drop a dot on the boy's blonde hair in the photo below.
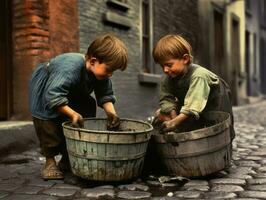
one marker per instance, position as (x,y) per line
(171,47)
(110,50)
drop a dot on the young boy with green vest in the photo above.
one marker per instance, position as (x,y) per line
(189,89)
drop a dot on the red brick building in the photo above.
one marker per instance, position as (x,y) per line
(32,31)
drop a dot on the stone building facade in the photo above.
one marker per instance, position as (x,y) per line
(42,29)
(135,89)
(262,47)
(223,23)
(233,44)
(36,30)
(255,13)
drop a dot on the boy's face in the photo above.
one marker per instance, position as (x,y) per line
(100,70)
(175,67)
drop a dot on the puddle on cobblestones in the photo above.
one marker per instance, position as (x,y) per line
(162,191)
(155,190)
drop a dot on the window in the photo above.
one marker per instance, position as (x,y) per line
(146,36)
(248,4)
(248,7)
(147,74)
(263,13)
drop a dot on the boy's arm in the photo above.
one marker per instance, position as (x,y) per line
(104,92)
(196,97)
(59,84)
(113,119)
(173,123)
(167,99)
(75,117)
(105,99)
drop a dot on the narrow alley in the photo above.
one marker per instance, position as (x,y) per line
(246,179)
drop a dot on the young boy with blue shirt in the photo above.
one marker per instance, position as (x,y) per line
(60,89)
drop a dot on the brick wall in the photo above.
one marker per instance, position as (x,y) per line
(30,46)
(41,29)
(63,26)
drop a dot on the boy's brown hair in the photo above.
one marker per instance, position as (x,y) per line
(110,50)
(171,47)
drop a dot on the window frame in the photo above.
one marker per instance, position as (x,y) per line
(147,72)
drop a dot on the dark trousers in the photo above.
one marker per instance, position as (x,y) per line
(50,132)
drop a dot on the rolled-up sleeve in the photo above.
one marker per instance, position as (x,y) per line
(58,87)
(104,92)
(167,98)
(196,97)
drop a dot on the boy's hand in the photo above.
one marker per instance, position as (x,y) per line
(168,126)
(77,120)
(173,114)
(172,124)
(165,117)
(161,117)
(113,122)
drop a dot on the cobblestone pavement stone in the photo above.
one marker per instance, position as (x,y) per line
(244,180)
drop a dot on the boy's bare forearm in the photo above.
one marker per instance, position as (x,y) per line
(66,110)
(76,118)
(180,118)
(109,108)
(172,124)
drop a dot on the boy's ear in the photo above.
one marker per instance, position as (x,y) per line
(186,58)
(92,61)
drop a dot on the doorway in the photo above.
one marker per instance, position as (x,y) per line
(5,59)
(219,57)
(263,65)
(235,61)
(247,56)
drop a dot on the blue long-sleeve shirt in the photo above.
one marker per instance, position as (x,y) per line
(62,80)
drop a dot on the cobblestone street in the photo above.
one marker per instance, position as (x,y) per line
(246,179)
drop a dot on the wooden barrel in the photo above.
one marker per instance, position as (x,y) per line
(197,152)
(101,155)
